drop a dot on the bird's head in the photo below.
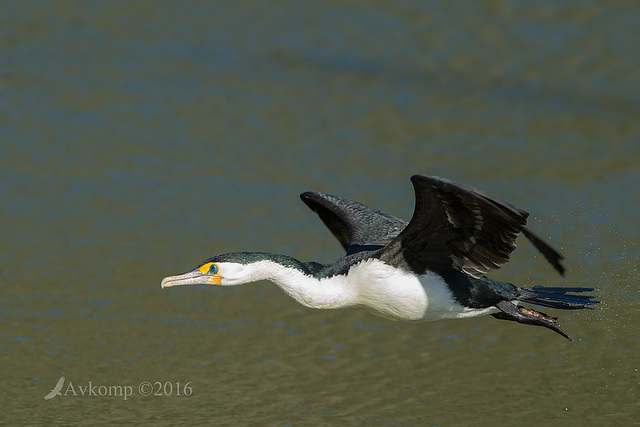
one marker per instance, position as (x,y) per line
(225,270)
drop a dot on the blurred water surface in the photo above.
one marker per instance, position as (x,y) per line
(139,138)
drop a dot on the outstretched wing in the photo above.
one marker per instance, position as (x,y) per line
(455,226)
(356,226)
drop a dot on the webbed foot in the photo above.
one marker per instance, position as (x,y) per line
(527,316)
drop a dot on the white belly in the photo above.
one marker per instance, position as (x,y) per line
(394,294)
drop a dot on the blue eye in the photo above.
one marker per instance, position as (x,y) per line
(208,268)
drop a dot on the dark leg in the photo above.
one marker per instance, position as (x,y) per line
(520,314)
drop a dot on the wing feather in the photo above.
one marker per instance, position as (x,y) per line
(455,226)
(356,226)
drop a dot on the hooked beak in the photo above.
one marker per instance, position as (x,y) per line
(194,277)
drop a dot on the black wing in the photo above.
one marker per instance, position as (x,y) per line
(454,226)
(356,226)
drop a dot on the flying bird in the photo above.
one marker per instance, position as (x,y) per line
(56,390)
(428,269)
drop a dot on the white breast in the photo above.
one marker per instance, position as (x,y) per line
(395,294)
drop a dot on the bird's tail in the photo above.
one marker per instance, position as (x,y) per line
(558,297)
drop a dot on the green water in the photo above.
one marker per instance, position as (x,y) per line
(139,138)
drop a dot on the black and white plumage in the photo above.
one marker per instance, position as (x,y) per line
(431,268)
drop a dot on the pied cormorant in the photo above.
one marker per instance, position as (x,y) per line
(431,268)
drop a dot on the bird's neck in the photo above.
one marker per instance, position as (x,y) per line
(298,281)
